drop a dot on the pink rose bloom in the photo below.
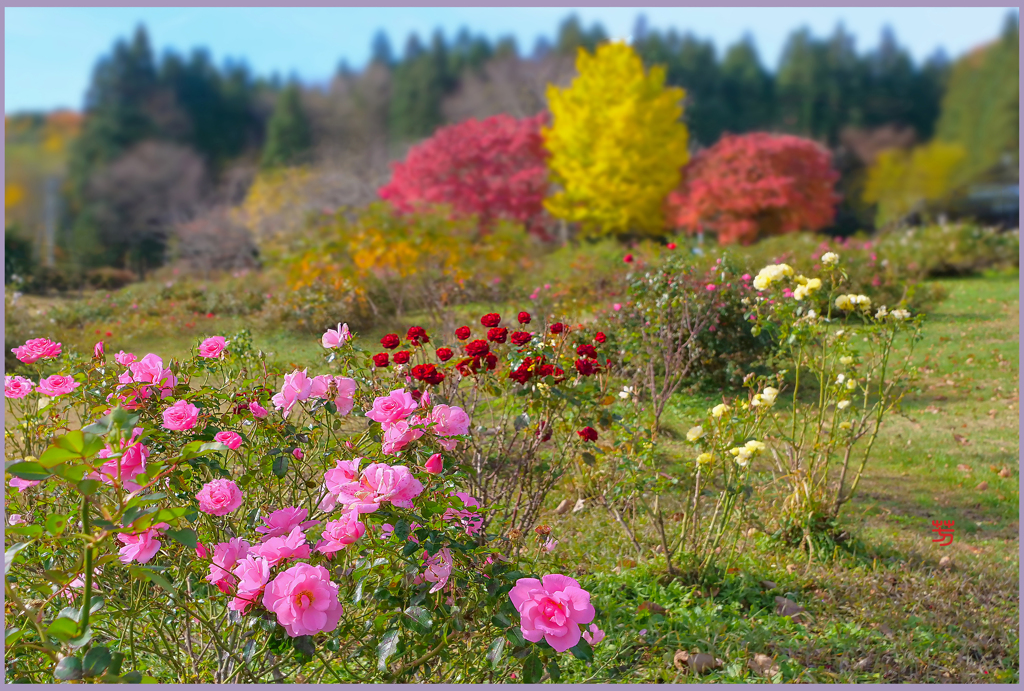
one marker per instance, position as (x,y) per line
(398,434)
(201,551)
(253,573)
(344,473)
(22,485)
(213,347)
(549,546)
(225,556)
(389,409)
(340,534)
(616,306)
(710,287)
(230,439)
(283,521)
(438,569)
(219,497)
(434,465)
(57,385)
(304,600)
(344,399)
(552,608)
(471,520)
(257,410)
(449,421)
(298,453)
(296,388)
(16,518)
(132,462)
(333,338)
(17,387)
(746,277)
(123,358)
(379,483)
(181,416)
(594,636)
(140,547)
(36,349)
(97,350)
(278,549)
(151,370)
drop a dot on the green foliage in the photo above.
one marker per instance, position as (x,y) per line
(288,135)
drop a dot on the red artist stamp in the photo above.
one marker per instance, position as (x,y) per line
(945,532)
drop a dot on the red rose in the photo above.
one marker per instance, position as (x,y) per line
(671,245)
(462,333)
(600,337)
(587,367)
(477,348)
(417,335)
(492,361)
(427,373)
(522,373)
(467,366)
(521,338)
(588,434)
(416,394)
(557,328)
(497,334)
(629,260)
(402,357)
(390,341)
(490,320)
(444,354)
(545,370)
(586,350)
(380,359)
(543,431)
(524,317)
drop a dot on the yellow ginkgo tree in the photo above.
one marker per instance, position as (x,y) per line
(617,144)
(901,182)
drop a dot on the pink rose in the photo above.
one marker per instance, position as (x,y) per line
(283,521)
(213,347)
(389,409)
(201,550)
(594,636)
(22,485)
(340,534)
(344,399)
(219,497)
(16,518)
(278,549)
(36,349)
(17,387)
(304,600)
(130,464)
(337,479)
(252,572)
(230,439)
(57,385)
(438,569)
(435,464)
(225,556)
(471,520)
(97,350)
(257,410)
(398,434)
(379,483)
(151,370)
(298,453)
(552,608)
(181,415)
(140,547)
(333,338)
(123,358)
(449,421)
(616,306)
(296,388)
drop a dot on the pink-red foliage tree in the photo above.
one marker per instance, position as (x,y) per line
(493,169)
(751,186)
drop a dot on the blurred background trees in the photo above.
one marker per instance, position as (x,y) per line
(177,142)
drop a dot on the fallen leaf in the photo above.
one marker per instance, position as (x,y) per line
(963,441)
(1005,472)
(627,563)
(702,662)
(579,506)
(785,607)
(764,665)
(790,568)
(769,585)
(681,659)
(862,665)
(964,467)
(752,532)
(973,550)
(652,607)
(563,506)
(886,631)
(946,562)
(932,409)
(982,486)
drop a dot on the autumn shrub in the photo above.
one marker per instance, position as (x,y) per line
(109,278)
(956,249)
(215,521)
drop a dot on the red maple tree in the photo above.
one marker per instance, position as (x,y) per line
(493,168)
(754,185)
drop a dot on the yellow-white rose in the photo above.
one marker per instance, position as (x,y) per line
(695,433)
(830,259)
(843,405)
(720,410)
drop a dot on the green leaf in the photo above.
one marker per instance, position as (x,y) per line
(132,677)
(31,531)
(402,530)
(533,669)
(515,637)
(13,552)
(73,441)
(68,669)
(185,536)
(214,446)
(55,523)
(420,616)
(358,594)
(387,647)
(95,661)
(93,445)
(27,470)
(55,455)
(501,621)
(582,651)
(63,629)
(100,427)
(521,422)
(409,548)
(280,466)
(151,575)
(82,640)
(496,651)
(304,644)
(88,487)
(588,458)
(116,658)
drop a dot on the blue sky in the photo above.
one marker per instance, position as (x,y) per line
(49,53)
